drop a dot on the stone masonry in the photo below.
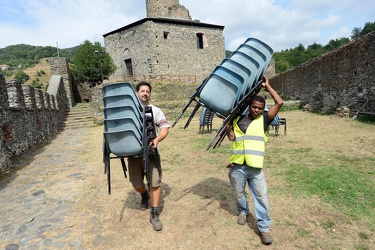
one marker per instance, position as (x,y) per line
(335,82)
(167,8)
(167,47)
(59,66)
(29,116)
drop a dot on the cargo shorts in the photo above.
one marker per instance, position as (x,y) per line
(137,175)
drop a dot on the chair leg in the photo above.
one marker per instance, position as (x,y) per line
(285,129)
(277,130)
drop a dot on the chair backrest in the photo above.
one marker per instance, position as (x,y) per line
(282,121)
(276,121)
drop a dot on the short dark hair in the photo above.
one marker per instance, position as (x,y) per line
(258,98)
(143,83)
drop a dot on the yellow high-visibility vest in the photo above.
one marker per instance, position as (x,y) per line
(249,148)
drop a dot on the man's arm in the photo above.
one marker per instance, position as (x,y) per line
(230,132)
(161,135)
(272,112)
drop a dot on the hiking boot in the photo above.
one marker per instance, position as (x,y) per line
(144,201)
(242,219)
(155,221)
(266,238)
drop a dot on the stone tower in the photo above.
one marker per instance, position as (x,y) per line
(167,45)
(166,8)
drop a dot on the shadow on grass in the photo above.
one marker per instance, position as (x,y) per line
(215,189)
(133,199)
(211,189)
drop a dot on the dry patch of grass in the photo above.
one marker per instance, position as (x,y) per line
(43,65)
(198,206)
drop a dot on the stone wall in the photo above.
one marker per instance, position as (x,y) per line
(157,48)
(29,116)
(271,70)
(334,82)
(59,66)
(167,8)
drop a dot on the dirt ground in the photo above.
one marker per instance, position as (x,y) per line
(198,206)
(198,209)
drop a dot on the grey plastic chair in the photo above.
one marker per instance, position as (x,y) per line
(249,73)
(122,119)
(122,100)
(261,46)
(122,112)
(256,55)
(219,94)
(127,123)
(120,94)
(118,89)
(205,120)
(243,71)
(233,77)
(124,143)
(254,64)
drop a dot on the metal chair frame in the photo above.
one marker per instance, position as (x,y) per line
(282,122)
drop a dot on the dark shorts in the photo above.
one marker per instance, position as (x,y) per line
(137,175)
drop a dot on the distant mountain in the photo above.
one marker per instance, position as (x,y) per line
(24,56)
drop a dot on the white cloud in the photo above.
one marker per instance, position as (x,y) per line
(280,23)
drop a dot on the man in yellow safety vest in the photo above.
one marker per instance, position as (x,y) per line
(249,134)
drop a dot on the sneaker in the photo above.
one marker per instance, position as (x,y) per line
(242,219)
(144,201)
(266,238)
(156,222)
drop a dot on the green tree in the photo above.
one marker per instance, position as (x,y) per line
(91,62)
(333,44)
(369,26)
(21,76)
(357,32)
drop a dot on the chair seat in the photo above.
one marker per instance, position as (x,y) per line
(276,126)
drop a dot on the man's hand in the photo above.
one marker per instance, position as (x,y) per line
(230,132)
(265,82)
(154,143)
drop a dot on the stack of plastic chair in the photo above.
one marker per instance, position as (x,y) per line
(128,129)
(228,90)
(205,120)
(123,125)
(235,76)
(122,120)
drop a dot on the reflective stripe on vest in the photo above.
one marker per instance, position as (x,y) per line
(249,148)
(249,137)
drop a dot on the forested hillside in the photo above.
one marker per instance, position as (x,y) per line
(22,56)
(291,58)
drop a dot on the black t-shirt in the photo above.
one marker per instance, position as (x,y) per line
(244,122)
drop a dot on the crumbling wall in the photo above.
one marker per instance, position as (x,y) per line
(28,116)
(334,82)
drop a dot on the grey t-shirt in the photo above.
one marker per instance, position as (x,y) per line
(244,122)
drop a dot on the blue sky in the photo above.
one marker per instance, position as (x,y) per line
(281,24)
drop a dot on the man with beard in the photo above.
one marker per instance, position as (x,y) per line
(136,164)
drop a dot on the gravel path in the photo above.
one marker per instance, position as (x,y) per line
(40,194)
